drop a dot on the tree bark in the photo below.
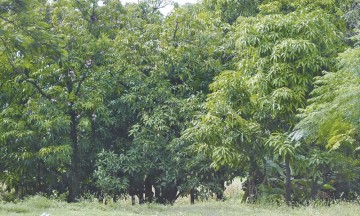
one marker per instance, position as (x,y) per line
(252,191)
(157,193)
(74,187)
(192,196)
(287,181)
(149,195)
(39,177)
(140,195)
(245,196)
(169,193)
(132,199)
(220,194)
(314,188)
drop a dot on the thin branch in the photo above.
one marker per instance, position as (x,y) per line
(79,84)
(124,85)
(39,89)
(175,43)
(84,13)
(8,54)
(92,17)
(120,82)
(26,72)
(29,33)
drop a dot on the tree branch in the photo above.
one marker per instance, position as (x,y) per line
(79,84)
(38,88)
(26,72)
(175,43)
(123,84)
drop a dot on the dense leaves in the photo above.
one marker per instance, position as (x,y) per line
(118,100)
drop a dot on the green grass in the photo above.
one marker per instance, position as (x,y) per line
(38,205)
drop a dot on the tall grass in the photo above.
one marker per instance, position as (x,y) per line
(39,205)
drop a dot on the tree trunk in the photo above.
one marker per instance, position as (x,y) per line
(169,194)
(157,193)
(166,194)
(39,178)
(132,199)
(314,188)
(74,187)
(149,195)
(220,177)
(140,195)
(252,188)
(252,191)
(287,181)
(245,196)
(220,194)
(192,196)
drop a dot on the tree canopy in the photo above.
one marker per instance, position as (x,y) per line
(118,100)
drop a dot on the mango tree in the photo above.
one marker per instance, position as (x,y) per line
(280,51)
(62,87)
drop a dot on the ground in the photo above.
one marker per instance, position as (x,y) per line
(40,206)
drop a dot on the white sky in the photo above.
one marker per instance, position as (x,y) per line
(166,9)
(178,1)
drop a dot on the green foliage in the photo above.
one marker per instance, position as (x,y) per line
(280,51)
(99,97)
(283,54)
(108,175)
(230,10)
(224,129)
(331,117)
(281,146)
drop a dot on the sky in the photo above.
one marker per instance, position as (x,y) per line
(178,1)
(165,10)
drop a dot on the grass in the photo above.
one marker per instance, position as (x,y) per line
(38,205)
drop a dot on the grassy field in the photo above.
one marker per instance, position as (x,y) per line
(37,206)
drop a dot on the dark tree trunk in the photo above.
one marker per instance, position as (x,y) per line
(157,193)
(20,191)
(192,196)
(167,194)
(251,191)
(314,188)
(133,200)
(249,187)
(245,196)
(287,181)
(220,194)
(140,195)
(149,195)
(74,187)
(221,182)
(39,178)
